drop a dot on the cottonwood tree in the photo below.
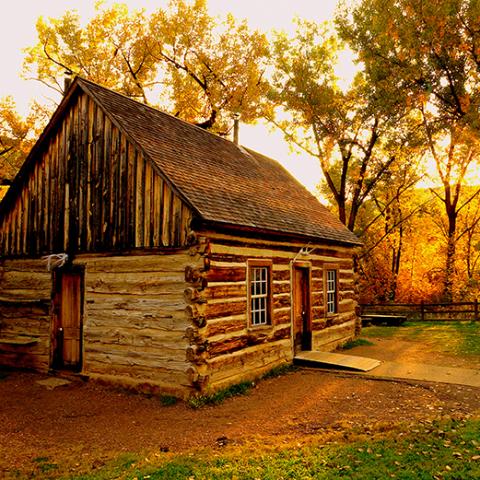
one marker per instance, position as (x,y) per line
(426,56)
(356,143)
(110,49)
(386,225)
(180,58)
(213,68)
(17,135)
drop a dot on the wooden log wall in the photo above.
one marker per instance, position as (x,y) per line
(88,190)
(224,349)
(25,301)
(135,323)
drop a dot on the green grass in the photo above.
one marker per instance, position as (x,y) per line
(280,370)
(242,388)
(457,338)
(44,465)
(358,342)
(168,400)
(445,450)
(218,397)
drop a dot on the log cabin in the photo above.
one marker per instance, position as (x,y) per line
(141,250)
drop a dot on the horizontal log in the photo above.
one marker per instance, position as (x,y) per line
(145,303)
(25,280)
(16,359)
(225,309)
(193,274)
(23,326)
(318,299)
(333,334)
(138,320)
(193,295)
(282,286)
(346,305)
(158,382)
(32,310)
(192,334)
(226,290)
(232,343)
(228,345)
(279,275)
(319,324)
(24,265)
(248,359)
(137,337)
(158,262)
(282,300)
(135,284)
(281,315)
(198,376)
(195,315)
(234,376)
(248,247)
(235,258)
(224,274)
(197,354)
(128,356)
(221,327)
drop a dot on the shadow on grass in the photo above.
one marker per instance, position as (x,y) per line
(457,338)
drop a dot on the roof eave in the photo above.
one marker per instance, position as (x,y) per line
(25,168)
(236,228)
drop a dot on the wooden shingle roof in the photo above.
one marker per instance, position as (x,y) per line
(225,183)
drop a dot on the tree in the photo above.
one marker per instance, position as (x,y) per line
(180,58)
(425,56)
(214,69)
(17,136)
(387,229)
(356,143)
(111,49)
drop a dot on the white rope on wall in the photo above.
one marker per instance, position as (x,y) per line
(55,260)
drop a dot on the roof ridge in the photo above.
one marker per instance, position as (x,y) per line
(138,144)
(154,109)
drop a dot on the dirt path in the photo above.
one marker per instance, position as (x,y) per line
(83,425)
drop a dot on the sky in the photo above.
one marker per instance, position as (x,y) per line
(18,32)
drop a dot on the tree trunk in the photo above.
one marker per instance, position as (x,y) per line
(447,295)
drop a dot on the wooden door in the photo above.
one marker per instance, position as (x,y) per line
(67,332)
(302,328)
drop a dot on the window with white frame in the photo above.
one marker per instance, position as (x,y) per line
(331,291)
(259,289)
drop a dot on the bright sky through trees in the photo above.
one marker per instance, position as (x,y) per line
(18,32)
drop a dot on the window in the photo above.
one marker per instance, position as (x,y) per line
(331,291)
(259,293)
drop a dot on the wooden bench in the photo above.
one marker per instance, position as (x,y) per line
(379,319)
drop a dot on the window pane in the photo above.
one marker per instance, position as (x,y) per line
(259,295)
(331,291)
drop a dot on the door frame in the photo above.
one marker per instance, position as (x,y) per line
(57,274)
(306,267)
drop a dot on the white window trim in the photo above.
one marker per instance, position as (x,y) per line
(261,316)
(331,291)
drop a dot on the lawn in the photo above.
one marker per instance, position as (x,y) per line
(456,338)
(428,450)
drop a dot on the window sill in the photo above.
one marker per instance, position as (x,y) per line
(259,328)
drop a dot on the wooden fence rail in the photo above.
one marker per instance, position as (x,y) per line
(458,311)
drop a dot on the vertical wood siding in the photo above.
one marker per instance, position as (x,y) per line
(89,190)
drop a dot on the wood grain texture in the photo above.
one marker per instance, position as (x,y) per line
(90,189)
